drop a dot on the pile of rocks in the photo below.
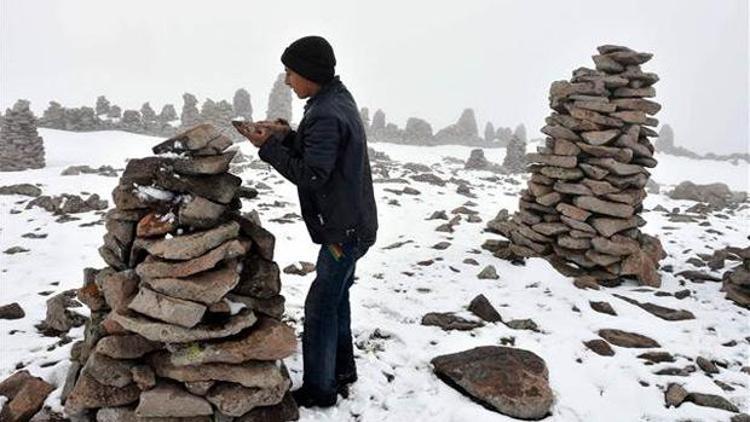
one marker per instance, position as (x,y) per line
(515,155)
(185,320)
(737,280)
(21,147)
(280,101)
(587,182)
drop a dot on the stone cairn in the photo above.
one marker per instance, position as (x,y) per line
(21,147)
(185,320)
(587,182)
(736,281)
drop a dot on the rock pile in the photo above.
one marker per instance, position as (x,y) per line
(515,155)
(737,280)
(21,147)
(185,320)
(587,182)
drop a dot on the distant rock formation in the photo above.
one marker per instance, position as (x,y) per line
(21,147)
(665,144)
(515,156)
(242,105)
(280,101)
(418,131)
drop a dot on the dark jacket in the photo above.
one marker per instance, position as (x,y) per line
(326,157)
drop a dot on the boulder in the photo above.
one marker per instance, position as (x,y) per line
(511,381)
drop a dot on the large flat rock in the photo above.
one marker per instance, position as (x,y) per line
(511,381)
(169,333)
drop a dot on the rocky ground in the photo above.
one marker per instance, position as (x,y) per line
(416,297)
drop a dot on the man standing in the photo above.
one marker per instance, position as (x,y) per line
(326,157)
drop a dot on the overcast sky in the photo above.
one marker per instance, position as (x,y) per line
(429,59)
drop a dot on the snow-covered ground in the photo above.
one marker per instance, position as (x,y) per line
(393,292)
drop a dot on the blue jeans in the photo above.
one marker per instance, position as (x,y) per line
(327,338)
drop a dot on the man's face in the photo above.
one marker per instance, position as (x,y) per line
(304,88)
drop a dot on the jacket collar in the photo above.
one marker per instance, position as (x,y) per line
(324,91)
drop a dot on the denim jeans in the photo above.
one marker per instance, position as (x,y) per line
(327,338)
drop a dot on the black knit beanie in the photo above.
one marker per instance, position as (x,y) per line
(312,57)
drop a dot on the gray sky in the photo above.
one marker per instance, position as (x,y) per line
(428,59)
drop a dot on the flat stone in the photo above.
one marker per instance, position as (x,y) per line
(565,147)
(108,371)
(623,155)
(200,213)
(488,273)
(616,167)
(624,92)
(130,346)
(706,365)
(599,206)
(127,414)
(572,189)
(627,339)
(550,229)
(155,224)
(26,395)
(572,211)
(12,311)
(560,132)
(193,245)
(594,172)
(549,199)
(259,278)
(618,246)
(657,357)
(168,333)
(268,340)
(603,307)
(25,189)
(118,288)
(565,161)
(263,241)
(511,381)
(207,287)
(168,309)
(602,137)
(602,259)
(562,173)
(643,267)
(272,306)
(285,411)
(675,395)
(89,394)
(630,116)
(143,376)
(219,188)
(260,374)
(592,116)
(481,307)
(610,226)
(153,267)
(194,139)
(600,347)
(449,321)
(170,400)
(212,164)
(640,104)
(236,400)
(571,242)
(662,312)
(711,400)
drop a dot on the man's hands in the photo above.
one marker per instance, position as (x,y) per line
(259,132)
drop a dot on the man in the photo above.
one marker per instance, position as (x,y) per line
(326,157)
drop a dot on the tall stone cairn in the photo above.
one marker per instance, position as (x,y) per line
(21,147)
(185,320)
(581,209)
(280,101)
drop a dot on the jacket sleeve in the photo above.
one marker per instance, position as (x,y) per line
(322,138)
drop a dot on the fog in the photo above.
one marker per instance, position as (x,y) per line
(419,58)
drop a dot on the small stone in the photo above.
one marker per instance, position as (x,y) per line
(603,307)
(481,307)
(600,347)
(12,311)
(675,395)
(448,321)
(130,346)
(170,400)
(488,273)
(627,339)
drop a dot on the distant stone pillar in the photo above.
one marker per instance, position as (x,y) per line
(21,147)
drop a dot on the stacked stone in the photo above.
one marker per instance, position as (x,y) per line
(736,281)
(587,182)
(185,320)
(21,147)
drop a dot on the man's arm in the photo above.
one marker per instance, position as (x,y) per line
(322,139)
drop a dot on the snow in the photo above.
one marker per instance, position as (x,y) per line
(393,351)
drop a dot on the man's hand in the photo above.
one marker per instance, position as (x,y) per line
(257,134)
(279,126)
